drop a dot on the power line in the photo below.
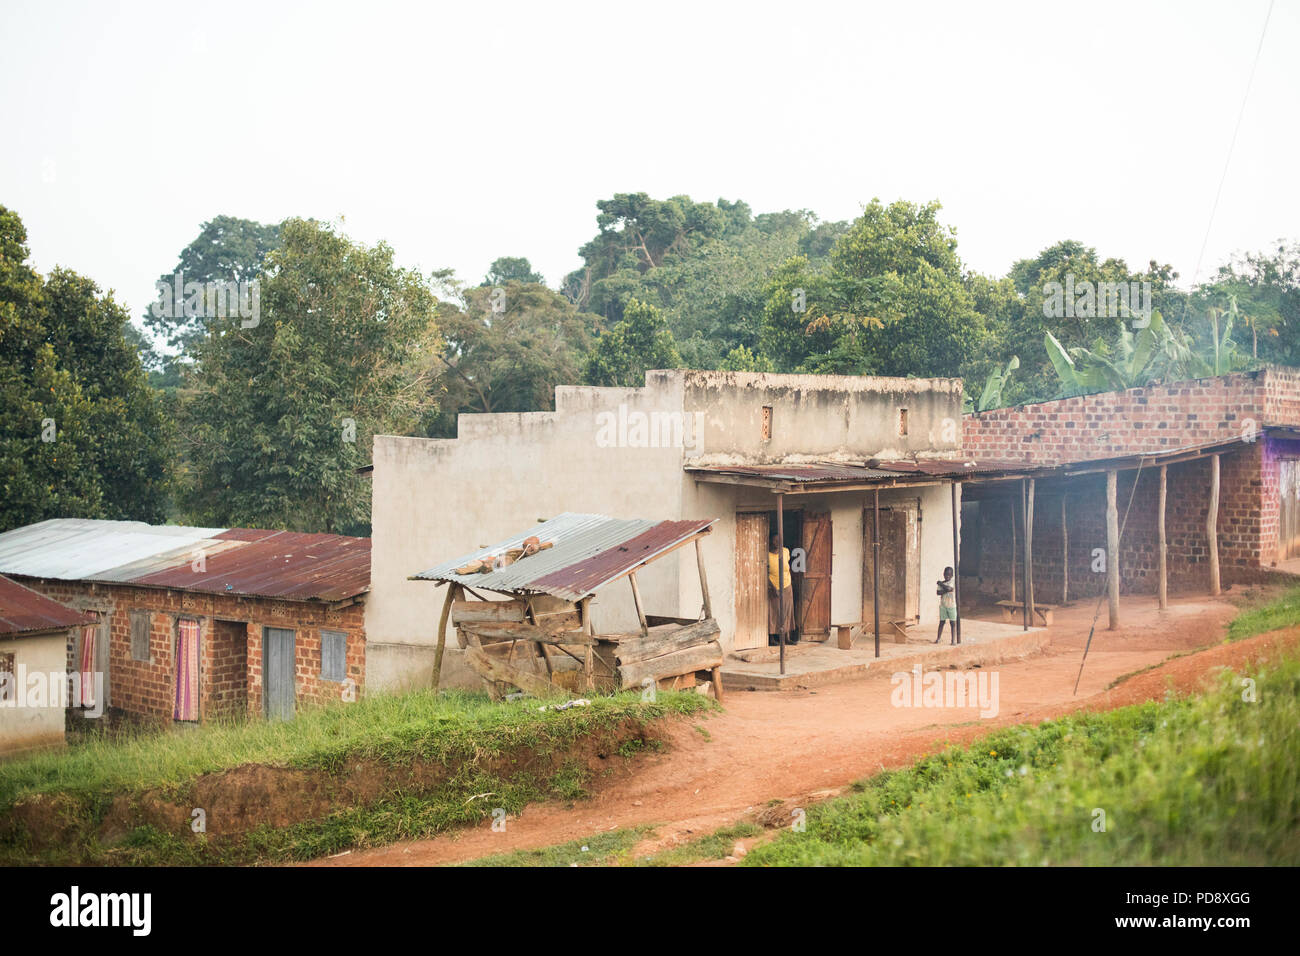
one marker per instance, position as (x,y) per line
(1236,129)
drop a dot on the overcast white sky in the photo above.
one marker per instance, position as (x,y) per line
(462,132)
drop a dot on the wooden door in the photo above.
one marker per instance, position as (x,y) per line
(1288,528)
(751,581)
(278,673)
(912,564)
(815,596)
(893,567)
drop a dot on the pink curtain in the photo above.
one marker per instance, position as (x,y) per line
(187,671)
(86,666)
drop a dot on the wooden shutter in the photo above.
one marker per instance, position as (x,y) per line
(333,655)
(141,622)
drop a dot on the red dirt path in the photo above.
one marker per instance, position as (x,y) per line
(805,746)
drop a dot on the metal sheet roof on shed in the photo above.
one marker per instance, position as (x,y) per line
(589,552)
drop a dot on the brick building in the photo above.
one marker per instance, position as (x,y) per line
(195,623)
(1247,422)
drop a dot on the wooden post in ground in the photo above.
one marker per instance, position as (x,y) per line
(1029,555)
(636,599)
(1011,506)
(875,563)
(1212,524)
(780,573)
(588,661)
(956,561)
(1163,592)
(1065,555)
(704,579)
(1112,549)
(453,591)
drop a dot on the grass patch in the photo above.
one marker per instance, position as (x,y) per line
(714,846)
(1211,779)
(602,849)
(1260,614)
(477,741)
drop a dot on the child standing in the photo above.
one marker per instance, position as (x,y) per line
(947,606)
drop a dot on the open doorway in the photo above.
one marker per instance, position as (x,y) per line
(807,536)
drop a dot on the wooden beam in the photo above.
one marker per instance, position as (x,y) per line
(587,655)
(453,591)
(780,574)
(1212,525)
(704,579)
(1065,555)
(1029,553)
(1163,584)
(956,560)
(1112,549)
(875,565)
(636,599)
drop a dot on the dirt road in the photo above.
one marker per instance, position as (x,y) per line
(806,745)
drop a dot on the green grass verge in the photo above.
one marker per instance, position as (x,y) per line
(601,849)
(462,732)
(1210,779)
(1260,614)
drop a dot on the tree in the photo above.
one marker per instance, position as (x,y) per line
(506,352)
(512,269)
(81,434)
(284,411)
(639,342)
(1266,286)
(226,249)
(892,300)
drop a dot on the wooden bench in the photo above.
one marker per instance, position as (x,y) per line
(890,630)
(1013,611)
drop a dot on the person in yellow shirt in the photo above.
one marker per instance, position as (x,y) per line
(780,602)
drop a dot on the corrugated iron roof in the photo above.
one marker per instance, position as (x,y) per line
(245,561)
(871,472)
(589,552)
(24,611)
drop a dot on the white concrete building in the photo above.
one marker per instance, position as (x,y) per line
(689,444)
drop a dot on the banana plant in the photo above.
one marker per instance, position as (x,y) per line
(1137,359)
(1075,380)
(991,396)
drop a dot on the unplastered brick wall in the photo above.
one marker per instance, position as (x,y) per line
(230,645)
(1149,419)
(1188,553)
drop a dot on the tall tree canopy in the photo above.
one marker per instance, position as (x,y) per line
(891,300)
(227,249)
(638,342)
(505,351)
(284,412)
(81,433)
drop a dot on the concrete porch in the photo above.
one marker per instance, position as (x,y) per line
(811,665)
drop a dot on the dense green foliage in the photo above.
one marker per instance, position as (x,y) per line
(81,433)
(284,411)
(673,282)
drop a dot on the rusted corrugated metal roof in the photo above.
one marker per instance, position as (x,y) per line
(280,564)
(246,561)
(589,552)
(24,611)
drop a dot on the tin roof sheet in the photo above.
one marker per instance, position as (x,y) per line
(589,552)
(246,561)
(24,611)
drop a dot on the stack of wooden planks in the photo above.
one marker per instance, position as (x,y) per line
(672,653)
